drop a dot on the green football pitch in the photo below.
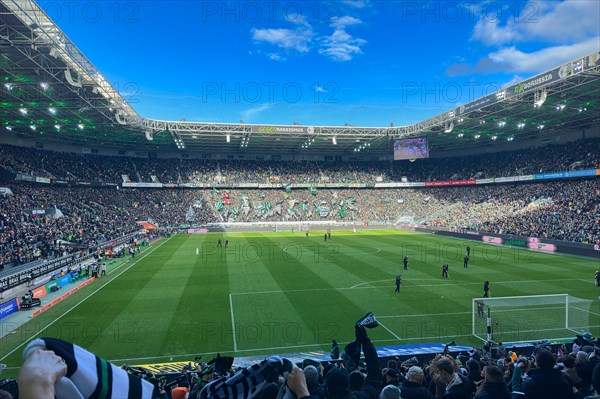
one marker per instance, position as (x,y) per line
(283,292)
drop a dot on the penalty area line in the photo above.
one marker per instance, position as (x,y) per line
(388,330)
(232,322)
(83,300)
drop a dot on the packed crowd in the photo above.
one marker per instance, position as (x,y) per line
(569,372)
(583,154)
(568,210)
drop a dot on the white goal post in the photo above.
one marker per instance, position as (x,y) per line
(530,318)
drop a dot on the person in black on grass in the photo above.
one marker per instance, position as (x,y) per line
(468,251)
(466,264)
(226,243)
(406,263)
(445,271)
(219,244)
(486,289)
(398,283)
(325,237)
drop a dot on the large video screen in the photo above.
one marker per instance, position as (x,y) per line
(411,149)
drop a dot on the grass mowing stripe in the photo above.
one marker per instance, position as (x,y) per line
(258,320)
(360,273)
(82,301)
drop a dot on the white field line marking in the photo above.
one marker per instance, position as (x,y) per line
(82,301)
(589,311)
(232,323)
(420,315)
(387,279)
(459,313)
(287,347)
(390,331)
(350,254)
(30,312)
(387,286)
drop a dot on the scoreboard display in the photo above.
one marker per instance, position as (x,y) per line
(411,149)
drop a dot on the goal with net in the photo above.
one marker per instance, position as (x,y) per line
(530,318)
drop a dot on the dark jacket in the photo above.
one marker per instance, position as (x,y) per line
(493,391)
(461,391)
(547,384)
(474,377)
(372,385)
(317,390)
(412,390)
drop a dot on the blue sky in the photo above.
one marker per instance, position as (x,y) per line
(362,62)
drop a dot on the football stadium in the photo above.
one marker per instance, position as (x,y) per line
(153,247)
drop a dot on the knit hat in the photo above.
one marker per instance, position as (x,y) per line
(414,370)
(390,392)
(312,376)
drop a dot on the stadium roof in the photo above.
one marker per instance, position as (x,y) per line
(51,92)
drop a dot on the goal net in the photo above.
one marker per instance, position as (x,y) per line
(530,318)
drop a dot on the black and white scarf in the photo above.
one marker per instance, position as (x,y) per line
(89,376)
(248,382)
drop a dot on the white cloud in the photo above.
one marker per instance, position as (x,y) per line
(558,22)
(517,61)
(342,22)
(297,19)
(567,21)
(356,3)
(341,46)
(544,34)
(491,33)
(512,60)
(276,57)
(297,39)
(248,114)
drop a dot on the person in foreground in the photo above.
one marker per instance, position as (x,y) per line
(545,381)
(39,373)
